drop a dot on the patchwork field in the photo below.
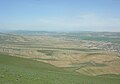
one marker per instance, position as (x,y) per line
(59,57)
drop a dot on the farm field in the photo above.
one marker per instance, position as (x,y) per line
(15,70)
(32,57)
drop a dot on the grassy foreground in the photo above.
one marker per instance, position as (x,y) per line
(15,70)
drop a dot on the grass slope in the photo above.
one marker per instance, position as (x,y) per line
(15,70)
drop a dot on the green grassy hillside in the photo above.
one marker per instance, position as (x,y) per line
(15,70)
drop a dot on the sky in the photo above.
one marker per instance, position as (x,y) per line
(60,15)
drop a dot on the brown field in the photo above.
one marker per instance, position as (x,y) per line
(83,56)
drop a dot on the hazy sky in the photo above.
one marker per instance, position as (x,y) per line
(60,15)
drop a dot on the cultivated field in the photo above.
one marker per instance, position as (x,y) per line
(15,70)
(59,57)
